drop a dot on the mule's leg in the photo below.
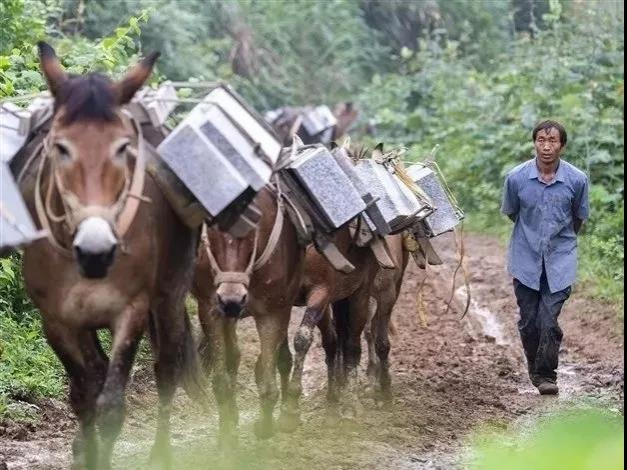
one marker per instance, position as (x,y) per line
(110,403)
(224,377)
(369,333)
(330,345)
(382,345)
(86,366)
(284,363)
(207,354)
(357,318)
(272,330)
(233,355)
(176,363)
(290,412)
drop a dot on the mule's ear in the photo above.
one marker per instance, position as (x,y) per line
(51,67)
(135,78)
(297,141)
(377,152)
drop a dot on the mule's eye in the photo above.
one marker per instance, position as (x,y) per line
(62,151)
(120,153)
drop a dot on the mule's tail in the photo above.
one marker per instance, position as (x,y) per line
(189,374)
(192,377)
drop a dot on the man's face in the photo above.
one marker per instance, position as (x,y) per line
(548,145)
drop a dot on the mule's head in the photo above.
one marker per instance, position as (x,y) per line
(88,145)
(232,269)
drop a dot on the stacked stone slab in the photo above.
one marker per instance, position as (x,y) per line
(445,215)
(224,153)
(397,204)
(323,188)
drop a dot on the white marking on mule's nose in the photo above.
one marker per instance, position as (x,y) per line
(94,236)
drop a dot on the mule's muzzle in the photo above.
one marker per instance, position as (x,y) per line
(232,299)
(94,265)
(94,247)
(231,308)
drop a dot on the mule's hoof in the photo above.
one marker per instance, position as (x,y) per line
(384,400)
(288,422)
(370,391)
(228,441)
(332,417)
(264,429)
(160,458)
(348,412)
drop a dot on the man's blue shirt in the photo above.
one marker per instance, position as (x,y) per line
(544,228)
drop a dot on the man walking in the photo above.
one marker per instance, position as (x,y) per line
(547,199)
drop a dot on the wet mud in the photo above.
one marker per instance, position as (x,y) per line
(450,378)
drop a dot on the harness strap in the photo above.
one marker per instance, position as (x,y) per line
(220,276)
(275,235)
(243,277)
(41,211)
(134,195)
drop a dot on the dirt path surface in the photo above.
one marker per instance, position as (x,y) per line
(448,378)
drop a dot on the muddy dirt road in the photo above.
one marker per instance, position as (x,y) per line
(448,377)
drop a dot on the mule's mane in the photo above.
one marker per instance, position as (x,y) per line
(86,98)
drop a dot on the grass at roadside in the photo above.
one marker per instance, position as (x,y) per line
(573,439)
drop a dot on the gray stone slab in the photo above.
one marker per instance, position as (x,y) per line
(211,178)
(445,217)
(16,225)
(396,203)
(327,186)
(239,150)
(247,118)
(12,139)
(377,222)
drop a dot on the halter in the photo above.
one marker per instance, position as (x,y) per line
(120,214)
(254,264)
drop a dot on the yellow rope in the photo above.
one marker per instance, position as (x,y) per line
(411,245)
(420,305)
(461,251)
(400,171)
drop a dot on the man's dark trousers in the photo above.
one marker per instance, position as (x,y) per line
(540,333)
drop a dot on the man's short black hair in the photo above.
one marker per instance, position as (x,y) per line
(547,126)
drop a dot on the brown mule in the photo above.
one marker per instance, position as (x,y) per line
(249,276)
(110,262)
(349,295)
(385,290)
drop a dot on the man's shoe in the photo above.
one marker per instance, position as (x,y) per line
(547,387)
(535,378)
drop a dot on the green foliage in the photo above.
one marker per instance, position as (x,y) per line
(571,72)
(575,440)
(29,369)
(274,53)
(19,65)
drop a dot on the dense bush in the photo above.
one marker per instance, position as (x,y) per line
(482,120)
